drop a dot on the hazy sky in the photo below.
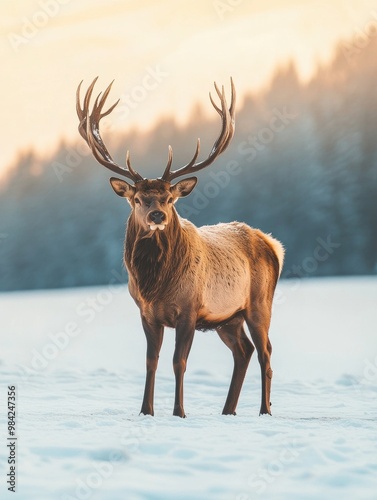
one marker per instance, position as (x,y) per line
(163,55)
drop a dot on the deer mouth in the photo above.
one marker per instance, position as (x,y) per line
(153,227)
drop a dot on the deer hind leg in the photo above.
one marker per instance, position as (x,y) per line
(154,335)
(258,322)
(233,335)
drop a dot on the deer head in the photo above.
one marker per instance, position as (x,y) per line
(152,200)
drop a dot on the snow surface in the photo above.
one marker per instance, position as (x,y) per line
(77,359)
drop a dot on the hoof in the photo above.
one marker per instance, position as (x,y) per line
(146,412)
(265,412)
(179,412)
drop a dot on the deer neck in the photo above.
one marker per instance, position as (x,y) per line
(154,258)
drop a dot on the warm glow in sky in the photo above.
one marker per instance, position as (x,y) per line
(163,55)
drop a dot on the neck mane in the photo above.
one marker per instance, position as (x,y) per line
(155,260)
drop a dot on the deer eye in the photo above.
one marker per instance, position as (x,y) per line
(137,201)
(170,200)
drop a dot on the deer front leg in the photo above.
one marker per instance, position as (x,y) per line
(184,336)
(154,335)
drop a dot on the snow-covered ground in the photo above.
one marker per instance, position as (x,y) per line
(77,359)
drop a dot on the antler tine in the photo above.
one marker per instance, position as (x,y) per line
(89,130)
(95,118)
(213,102)
(232,99)
(136,175)
(222,142)
(218,146)
(167,176)
(196,154)
(103,100)
(168,165)
(81,113)
(231,113)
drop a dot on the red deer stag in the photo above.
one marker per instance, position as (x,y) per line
(189,278)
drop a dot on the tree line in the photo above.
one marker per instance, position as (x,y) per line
(302,165)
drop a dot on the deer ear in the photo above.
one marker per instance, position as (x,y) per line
(183,188)
(122,188)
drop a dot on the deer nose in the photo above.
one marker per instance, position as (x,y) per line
(157,216)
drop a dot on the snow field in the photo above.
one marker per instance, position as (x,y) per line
(77,359)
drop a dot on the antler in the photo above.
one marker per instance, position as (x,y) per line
(226,134)
(89,130)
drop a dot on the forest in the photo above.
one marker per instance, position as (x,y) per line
(302,166)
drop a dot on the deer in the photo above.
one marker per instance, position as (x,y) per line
(185,277)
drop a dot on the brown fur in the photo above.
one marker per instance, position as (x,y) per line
(212,277)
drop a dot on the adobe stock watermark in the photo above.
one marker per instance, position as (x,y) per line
(361,38)
(368,380)
(324,249)
(73,159)
(88,484)
(248,149)
(85,313)
(201,197)
(370,371)
(225,7)
(30,26)
(310,264)
(254,144)
(149,82)
(260,480)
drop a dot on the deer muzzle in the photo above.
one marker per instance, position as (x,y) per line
(156,220)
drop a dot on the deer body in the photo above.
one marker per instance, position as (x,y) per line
(209,269)
(188,278)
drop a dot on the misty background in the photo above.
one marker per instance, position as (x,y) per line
(302,166)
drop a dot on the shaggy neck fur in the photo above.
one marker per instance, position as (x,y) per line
(156,260)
